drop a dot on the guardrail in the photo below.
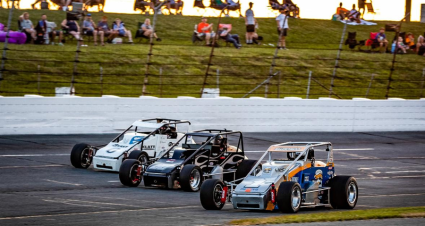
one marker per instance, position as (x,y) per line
(35,114)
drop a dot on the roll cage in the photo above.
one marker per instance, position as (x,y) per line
(211,135)
(174,122)
(304,148)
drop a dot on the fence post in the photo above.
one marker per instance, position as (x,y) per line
(151,38)
(423,81)
(397,33)
(308,85)
(370,85)
(337,60)
(101,80)
(38,79)
(6,42)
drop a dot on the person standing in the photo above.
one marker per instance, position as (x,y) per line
(250,23)
(282,27)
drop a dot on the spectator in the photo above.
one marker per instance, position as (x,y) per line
(89,28)
(274,4)
(342,12)
(72,27)
(224,33)
(205,29)
(66,3)
(104,30)
(401,46)
(362,8)
(42,28)
(52,33)
(354,15)
(119,26)
(27,25)
(177,5)
(148,30)
(420,46)
(410,41)
(282,27)
(381,38)
(143,3)
(292,8)
(250,23)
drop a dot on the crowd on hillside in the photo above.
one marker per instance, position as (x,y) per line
(48,32)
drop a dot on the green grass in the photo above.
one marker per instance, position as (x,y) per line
(312,47)
(350,215)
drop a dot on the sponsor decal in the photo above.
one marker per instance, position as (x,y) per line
(149,147)
(170,144)
(318,174)
(286,148)
(306,178)
(111,150)
(248,190)
(267,170)
(294,179)
(170,160)
(330,172)
(119,146)
(135,139)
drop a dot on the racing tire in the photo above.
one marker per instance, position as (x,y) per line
(244,167)
(289,197)
(128,173)
(139,155)
(211,192)
(191,178)
(344,192)
(79,156)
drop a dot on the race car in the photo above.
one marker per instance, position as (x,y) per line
(186,167)
(144,140)
(290,178)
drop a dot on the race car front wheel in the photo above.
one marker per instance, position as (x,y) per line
(211,194)
(80,156)
(139,155)
(344,192)
(191,178)
(244,167)
(289,197)
(129,175)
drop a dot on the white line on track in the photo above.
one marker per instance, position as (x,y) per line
(33,155)
(395,195)
(346,149)
(96,212)
(39,166)
(393,177)
(60,182)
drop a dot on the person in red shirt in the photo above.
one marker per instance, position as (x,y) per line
(205,29)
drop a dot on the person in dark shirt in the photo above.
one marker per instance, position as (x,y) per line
(104,30)
(72,28)
(224,33)
(382,39)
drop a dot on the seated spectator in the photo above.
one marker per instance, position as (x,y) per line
(72,28)
(142,5)
(275,4)
(381,38)
(89,28)
(205,30)
(177,5)
(342,12)
(401,46)
(224,33)
(53,33)
(420,46)
(27,25)
(104,30)
(122,31)
(410,41)
(220,4)
(148,30)
(231,3)
(354,15)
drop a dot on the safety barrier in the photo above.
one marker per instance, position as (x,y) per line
(109,114)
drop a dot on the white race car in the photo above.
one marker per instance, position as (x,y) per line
(144,140)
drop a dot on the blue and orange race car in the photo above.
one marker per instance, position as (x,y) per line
(287,177)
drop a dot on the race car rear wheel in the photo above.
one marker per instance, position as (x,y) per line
(344,192)
(139,155)
(211,192)
(80,156)
(191,178)
(128,173)
(289,197)
(244,167)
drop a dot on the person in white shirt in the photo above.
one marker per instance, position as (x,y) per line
(282,27)
(26,25)
(250,23)
(354,15)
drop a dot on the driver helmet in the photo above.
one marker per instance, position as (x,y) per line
(218,140)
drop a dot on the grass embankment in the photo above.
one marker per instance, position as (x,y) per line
(312,47)
(370,214)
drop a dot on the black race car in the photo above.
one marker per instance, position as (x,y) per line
(203,155)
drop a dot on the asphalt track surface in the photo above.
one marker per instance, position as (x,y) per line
(38,185)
